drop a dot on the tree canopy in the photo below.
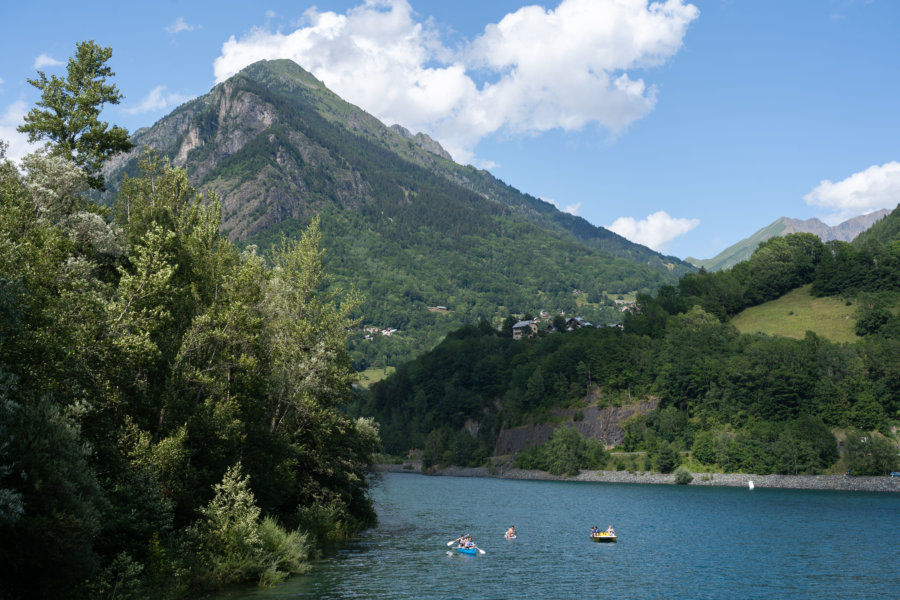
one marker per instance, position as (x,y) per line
(169,405)
(68,113)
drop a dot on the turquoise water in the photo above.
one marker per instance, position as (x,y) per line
(674,542)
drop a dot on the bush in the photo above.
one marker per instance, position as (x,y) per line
(233,544)
(683,476)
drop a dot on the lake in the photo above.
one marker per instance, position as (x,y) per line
(674,542)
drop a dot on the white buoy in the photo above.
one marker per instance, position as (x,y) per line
(750,484)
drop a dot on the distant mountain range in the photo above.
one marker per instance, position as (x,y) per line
(741,251)
(401,221)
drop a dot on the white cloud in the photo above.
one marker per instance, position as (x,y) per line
(11,118)
(655,231)
(45,60)
(179,25)
(875,188)
(156,100)
(546,69)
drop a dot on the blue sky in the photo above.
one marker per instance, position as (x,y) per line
(685,126)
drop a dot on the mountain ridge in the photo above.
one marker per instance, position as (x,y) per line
(846,231)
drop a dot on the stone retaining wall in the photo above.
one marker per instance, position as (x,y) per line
(799,482)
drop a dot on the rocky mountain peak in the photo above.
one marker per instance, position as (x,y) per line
(423,141)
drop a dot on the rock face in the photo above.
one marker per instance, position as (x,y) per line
(845,232)
(606,424)
(423,141)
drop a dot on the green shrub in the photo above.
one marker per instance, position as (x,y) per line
(683,476)
(231,544)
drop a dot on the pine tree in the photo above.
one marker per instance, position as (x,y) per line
(68,113)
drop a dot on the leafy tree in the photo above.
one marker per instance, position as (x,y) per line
(870,454)
(667,458)
(306,331)
(871,314)
(866,413)
(565,453)
(68,113)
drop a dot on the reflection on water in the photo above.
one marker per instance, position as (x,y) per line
(673,542)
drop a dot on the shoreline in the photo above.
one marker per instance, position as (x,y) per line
(797,482)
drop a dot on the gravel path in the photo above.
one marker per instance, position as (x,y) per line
(799,482)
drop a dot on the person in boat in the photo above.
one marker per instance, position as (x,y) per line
(469,543)
(511,532)
(610,531)
(595,530)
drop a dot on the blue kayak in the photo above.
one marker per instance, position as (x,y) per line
(469,551)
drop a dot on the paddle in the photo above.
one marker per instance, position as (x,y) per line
(451,542)
(480,550)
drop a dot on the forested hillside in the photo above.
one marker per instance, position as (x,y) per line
(407,228)
(749,403)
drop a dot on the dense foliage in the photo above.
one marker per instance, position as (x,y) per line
(564,453)
(169,415)
(738,402)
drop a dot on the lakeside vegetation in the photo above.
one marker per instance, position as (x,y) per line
(169,404)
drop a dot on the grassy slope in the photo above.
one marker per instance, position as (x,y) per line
(373,375)
(797,312)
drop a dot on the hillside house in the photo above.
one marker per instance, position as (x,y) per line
(524,328)
(573,323)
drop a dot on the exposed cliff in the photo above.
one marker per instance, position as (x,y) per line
(606,424)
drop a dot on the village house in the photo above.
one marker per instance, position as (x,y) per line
(524,328)
(573,323)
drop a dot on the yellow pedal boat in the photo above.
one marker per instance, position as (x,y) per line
(603,537)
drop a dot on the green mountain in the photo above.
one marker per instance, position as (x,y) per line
(402,222)
(741,251)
